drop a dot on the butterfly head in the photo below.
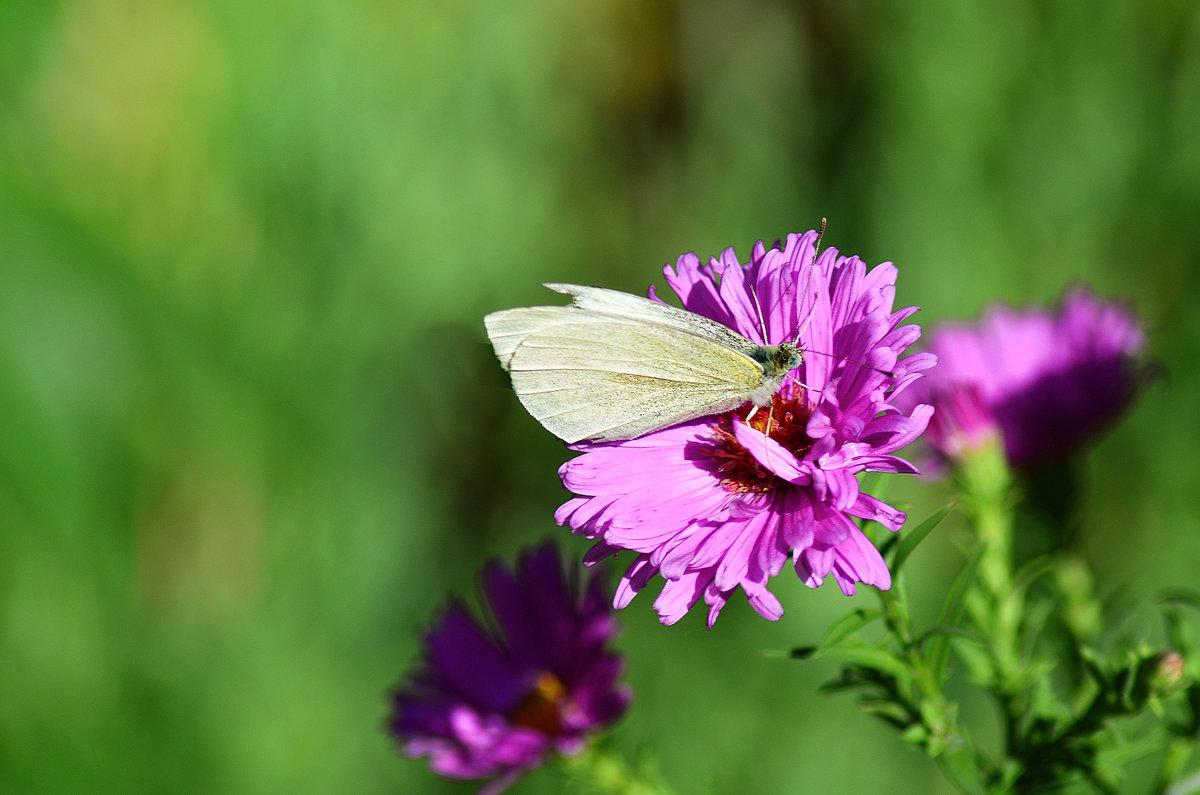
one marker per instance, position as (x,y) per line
(776,362)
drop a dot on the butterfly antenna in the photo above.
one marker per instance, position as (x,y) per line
(812,266)
(761,320)
(881,371)
(816,250)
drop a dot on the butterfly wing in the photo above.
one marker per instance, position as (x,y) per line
(626,305)
(509,328)
(599,377)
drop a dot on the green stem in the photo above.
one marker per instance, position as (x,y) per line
(602,771)
(996,606)
(946,743)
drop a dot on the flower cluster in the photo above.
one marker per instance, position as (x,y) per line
(720,503)
(491,703)
(1046,382)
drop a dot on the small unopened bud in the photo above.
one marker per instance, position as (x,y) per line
(1168,675)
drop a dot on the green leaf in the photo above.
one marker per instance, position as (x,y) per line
(871,657)
(845,626)
(890,711)
(1045,703)
(939,647)
(960,766)
(978,663)
(834,686)
(1010,771)
(1097,665)
(1035,620)
(953,632)
(910,540)
(1035,569)
(1188,597)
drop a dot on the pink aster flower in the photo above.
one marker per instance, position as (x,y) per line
(491,699)
(1048,381)
(718,503)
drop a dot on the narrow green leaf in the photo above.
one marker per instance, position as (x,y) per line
(834,686)
(1189,597)
(1045,703)
(951,631)
(871,657)
(978,663)
(1036,619)
(887,710)
(1010,771)
(1097,664)
(1035,569)
(845,626)
(939,647)
(960,766)
(911,539)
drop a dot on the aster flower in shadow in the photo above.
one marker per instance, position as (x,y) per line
(1046,381)
(491,699)
(721,502)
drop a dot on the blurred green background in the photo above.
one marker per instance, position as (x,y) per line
(253,435)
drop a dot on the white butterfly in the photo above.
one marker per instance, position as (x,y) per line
(614,366)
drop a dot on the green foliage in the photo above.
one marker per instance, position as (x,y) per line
(1065,706)
(913,537)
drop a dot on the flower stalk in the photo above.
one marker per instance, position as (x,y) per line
(600,771)
(995,605)
(1059,701)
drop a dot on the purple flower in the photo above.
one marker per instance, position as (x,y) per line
(718,503)
(490,699)
(1048,381)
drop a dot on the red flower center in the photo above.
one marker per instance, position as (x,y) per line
(738,470)
(540,708)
